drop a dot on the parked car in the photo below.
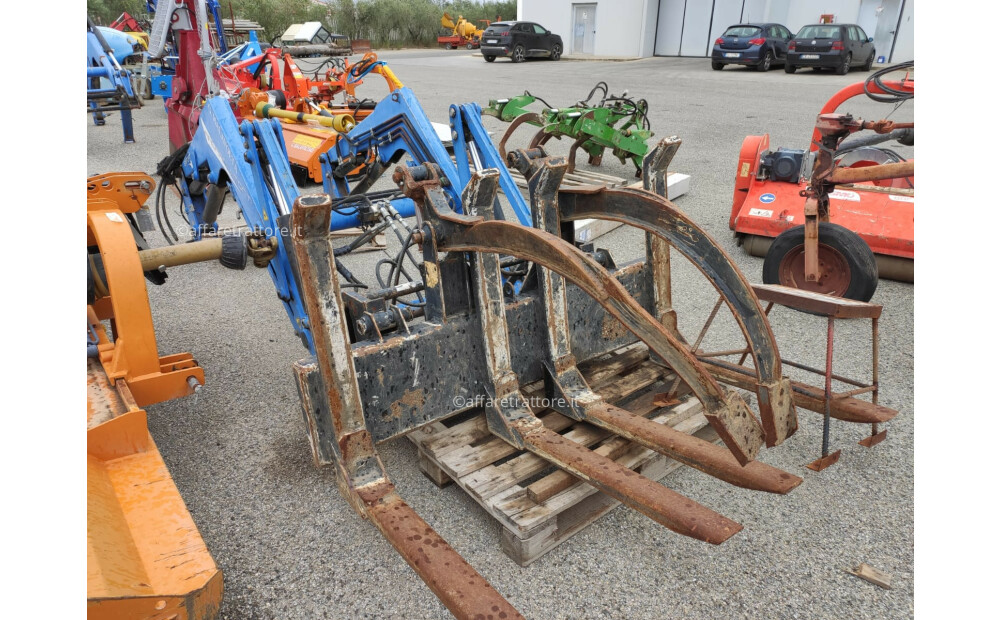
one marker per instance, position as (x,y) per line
(832,46)
(519,40)
(756,45)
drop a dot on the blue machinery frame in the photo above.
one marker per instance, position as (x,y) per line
(250,159)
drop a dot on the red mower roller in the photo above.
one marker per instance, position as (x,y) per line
(848,221)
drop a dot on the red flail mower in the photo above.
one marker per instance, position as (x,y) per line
(836,218)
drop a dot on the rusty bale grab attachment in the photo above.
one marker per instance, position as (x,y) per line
(378,374)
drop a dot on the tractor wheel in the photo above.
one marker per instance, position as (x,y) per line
(765,64)
(717,66)
(846,67)
(449,46)
(489,58)
(846,263)
(789,67)
(470,46)
(517,54)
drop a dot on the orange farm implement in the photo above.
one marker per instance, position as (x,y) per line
(850,219)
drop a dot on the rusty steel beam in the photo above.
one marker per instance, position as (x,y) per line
(453,580)
(361,476)
(699,454)
(665,506)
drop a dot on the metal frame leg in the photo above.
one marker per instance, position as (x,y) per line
(827,459)
(876,437)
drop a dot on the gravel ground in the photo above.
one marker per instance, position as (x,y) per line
(289,545)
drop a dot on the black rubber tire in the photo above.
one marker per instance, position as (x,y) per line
(717,66)
(556,52)
(765,64)
(470,46)
(856,253)
(870,61)
(789,67)
(488,58)
(845,68)
(449,46)
(517,54)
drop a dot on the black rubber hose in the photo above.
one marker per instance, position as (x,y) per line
(893,95)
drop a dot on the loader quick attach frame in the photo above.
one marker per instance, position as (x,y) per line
(473,342)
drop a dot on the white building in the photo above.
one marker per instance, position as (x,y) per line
(689,27)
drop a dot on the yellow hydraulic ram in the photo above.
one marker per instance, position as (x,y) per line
(340,122)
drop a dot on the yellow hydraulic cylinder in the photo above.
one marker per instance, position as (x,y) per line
(340,122)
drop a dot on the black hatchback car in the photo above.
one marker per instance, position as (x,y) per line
(519,40)
(756,45)
(831,46)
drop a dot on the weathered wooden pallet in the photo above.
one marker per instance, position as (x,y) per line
(538,505)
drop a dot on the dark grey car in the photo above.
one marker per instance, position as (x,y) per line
(755,45)
(840,47)
(519,40)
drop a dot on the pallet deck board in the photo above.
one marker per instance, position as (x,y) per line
(498,476)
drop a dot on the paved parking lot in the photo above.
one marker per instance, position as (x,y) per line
(289,545)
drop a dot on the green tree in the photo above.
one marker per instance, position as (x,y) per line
(103,12)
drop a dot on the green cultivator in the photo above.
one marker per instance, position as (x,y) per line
(615,122)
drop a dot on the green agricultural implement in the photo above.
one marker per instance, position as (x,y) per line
(619,123)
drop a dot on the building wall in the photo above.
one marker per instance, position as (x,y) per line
(624,27)
(687,27)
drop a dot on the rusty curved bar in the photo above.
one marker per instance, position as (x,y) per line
(660,217)
(514,124)
(729,415)
(657,215)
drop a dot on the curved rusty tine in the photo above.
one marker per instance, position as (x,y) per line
(571,160)
(729,415)
(661,217)
(540,138)
(577,144)
(361,475)
(665,506)
(514,124)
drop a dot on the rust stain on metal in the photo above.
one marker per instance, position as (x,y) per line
(612,329)
(411,399)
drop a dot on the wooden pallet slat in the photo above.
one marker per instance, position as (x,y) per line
(538,505)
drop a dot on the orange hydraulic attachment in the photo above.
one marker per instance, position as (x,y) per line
(145,556)
(306,141)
